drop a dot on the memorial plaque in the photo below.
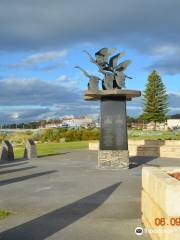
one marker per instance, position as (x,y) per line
(113,124)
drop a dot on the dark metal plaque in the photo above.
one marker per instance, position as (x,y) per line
(113,124)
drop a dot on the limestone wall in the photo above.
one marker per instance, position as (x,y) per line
(94,146)
(160,198)
(158,148)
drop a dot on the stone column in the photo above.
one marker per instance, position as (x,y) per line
(113,141)
(7,153)
(30,150)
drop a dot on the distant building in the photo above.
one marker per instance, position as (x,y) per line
(85,122)
(52,125)
(149,126)
(78,122)
(137,125)
(159,126)
(173,123)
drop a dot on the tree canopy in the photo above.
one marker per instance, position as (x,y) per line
(155,99)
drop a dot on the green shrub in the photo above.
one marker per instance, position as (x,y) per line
(3,136)
(4,214)
(73,135)
(56,135)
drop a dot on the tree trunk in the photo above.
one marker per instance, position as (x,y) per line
(155,126)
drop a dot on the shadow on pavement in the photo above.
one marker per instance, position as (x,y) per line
(150,145)
(50,223)
(23,178)
(7,164)
(16,170)
(52,154)
(136,161)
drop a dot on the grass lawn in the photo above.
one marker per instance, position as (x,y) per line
(48,149)
(153,135)
(4,214)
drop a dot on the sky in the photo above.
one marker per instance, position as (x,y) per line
(42,41)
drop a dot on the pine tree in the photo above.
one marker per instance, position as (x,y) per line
(155,99)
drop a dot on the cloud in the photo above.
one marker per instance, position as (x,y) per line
(43,57)
(49,67)
(151,27)
(164,50)
(167,60)
(174,100)
(35,61)
(29,91)
(78,107)
(135,107)
(166,65)
(62,78)
(27,114)
(31,99)
(16,115)
(41,24)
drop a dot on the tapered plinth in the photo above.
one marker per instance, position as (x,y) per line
(113,133)
(113,124)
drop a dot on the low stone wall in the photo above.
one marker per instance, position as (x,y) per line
(94,146)
(155,148)
(160,202)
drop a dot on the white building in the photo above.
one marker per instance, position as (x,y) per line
(78,122)
(159,126)
(173,123)
(52,125)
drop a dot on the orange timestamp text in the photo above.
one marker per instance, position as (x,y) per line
(172,221)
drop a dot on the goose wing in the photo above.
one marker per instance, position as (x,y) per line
(103,54)
(122,66)
(114,59)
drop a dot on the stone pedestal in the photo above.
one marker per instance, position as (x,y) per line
(113,159)
(7,153)
(113,152)
(30,150)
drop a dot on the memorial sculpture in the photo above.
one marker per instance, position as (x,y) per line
(113,72)
(7,152)
(113,152)
(30,151)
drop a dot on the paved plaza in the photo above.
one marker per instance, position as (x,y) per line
(66,197)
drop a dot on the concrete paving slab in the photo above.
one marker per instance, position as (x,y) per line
(66,197)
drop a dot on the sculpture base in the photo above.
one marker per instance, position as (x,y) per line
(113,153)
(94,95)
(113,159)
